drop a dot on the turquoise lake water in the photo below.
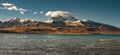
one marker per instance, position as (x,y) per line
(45,44)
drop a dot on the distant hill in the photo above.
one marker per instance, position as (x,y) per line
(57,25)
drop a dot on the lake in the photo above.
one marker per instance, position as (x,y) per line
(70,44)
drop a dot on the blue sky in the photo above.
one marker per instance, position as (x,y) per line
(105,11)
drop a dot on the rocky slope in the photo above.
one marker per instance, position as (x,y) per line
(57,25)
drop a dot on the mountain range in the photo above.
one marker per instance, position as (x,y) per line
(57,25)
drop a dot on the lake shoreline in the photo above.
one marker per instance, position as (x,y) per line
(56,30)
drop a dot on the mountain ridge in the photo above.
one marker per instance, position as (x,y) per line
(57,26)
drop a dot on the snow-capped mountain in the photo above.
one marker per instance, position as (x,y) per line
(57,21)
(14,20)
(17,22)
(60,19)
(58,25)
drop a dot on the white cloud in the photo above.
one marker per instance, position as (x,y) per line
(41,12)
(60,16)
(58,13)
(12,7)
(21,9)
(21,12)
(7,4)
(35,13)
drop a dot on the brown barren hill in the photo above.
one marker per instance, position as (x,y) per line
(64,26)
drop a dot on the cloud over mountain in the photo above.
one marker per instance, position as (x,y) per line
(60,16)
(59,13)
